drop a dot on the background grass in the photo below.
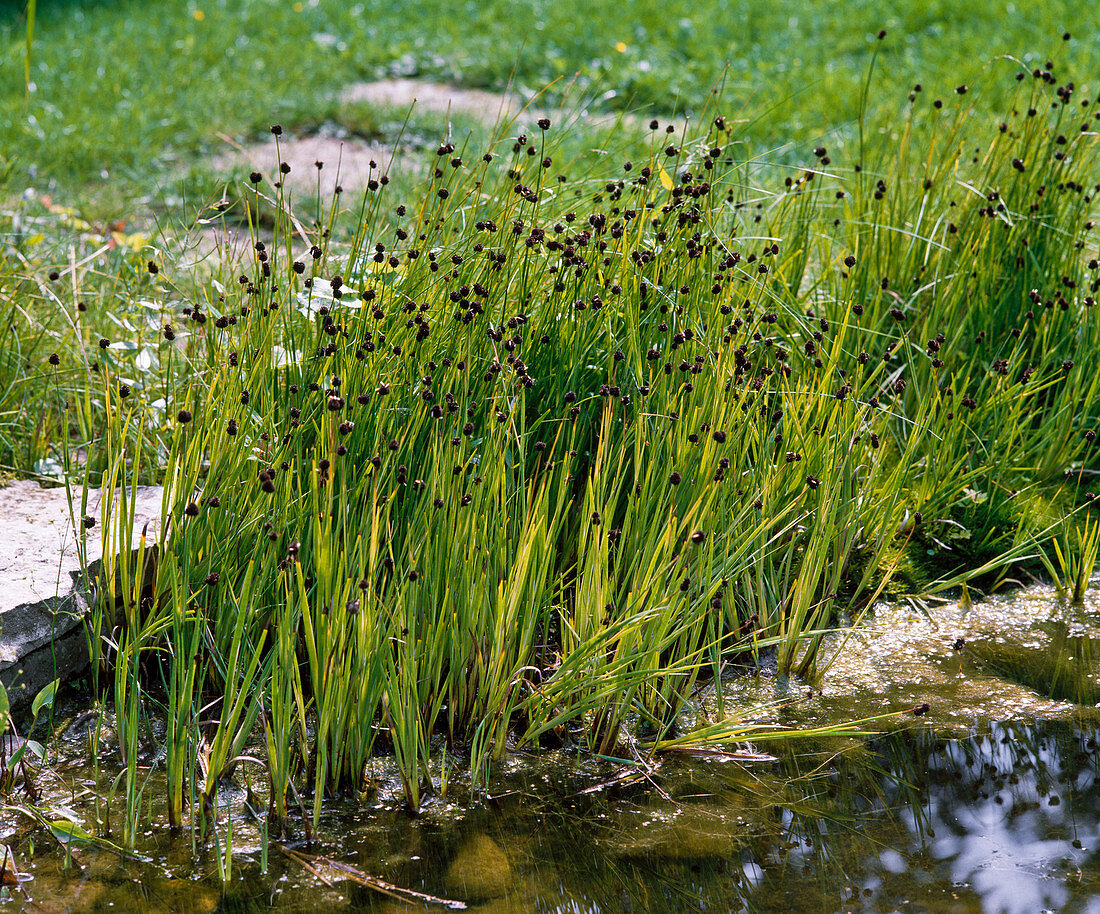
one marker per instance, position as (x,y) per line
(126,100)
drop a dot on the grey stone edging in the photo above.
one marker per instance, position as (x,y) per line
(43,599)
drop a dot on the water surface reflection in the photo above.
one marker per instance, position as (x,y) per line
(1007,820)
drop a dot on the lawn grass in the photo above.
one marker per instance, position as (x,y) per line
(530,444)
(139,98)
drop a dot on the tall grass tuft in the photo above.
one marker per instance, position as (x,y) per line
(543,451)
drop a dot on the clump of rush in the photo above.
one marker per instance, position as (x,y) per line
(536,453)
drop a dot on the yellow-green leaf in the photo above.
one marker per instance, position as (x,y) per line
(666,180)
(45,697)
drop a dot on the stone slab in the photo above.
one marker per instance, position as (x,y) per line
(43,598)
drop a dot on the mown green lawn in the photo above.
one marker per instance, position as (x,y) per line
(127,97)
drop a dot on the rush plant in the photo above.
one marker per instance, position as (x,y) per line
(535,459)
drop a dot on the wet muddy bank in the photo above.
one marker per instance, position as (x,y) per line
(990,800)
(1007,819)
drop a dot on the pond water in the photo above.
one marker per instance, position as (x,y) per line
(989,801)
